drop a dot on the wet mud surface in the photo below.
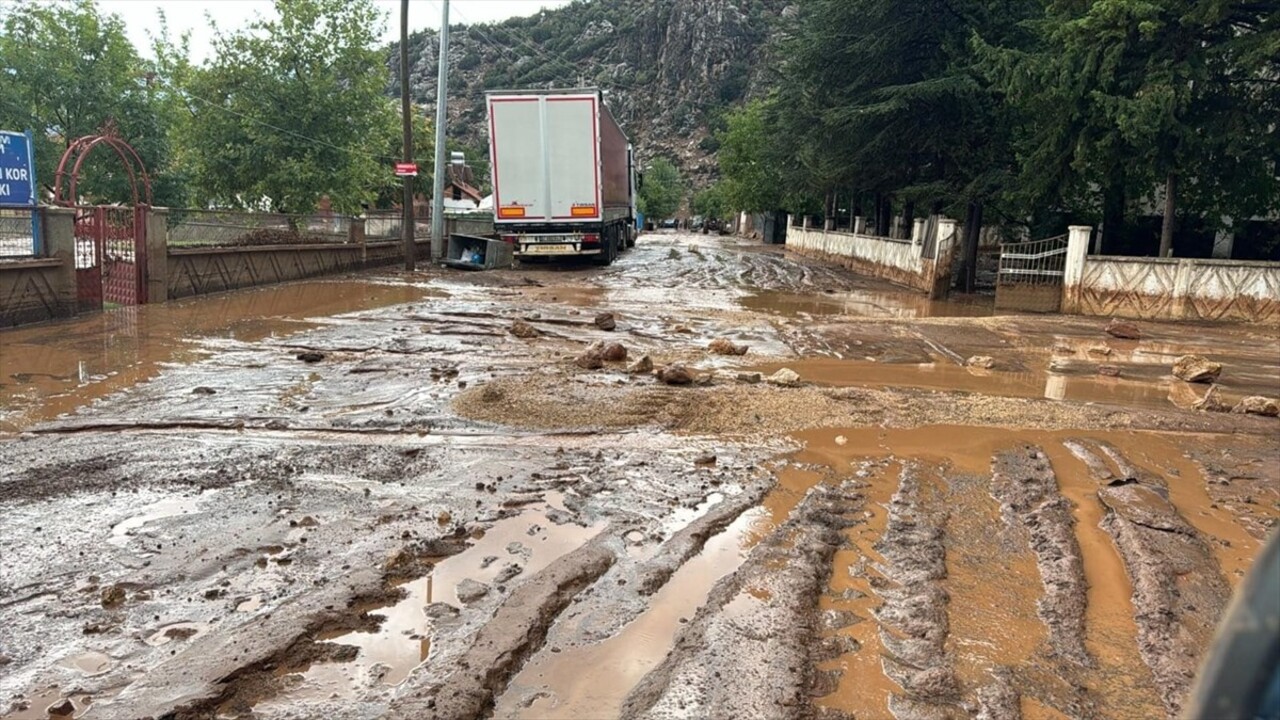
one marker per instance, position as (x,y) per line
(366,497)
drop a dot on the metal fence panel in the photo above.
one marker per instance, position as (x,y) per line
(230,228)
(18,233)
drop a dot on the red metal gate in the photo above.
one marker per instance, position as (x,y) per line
(111,256)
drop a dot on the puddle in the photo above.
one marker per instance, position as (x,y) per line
(179,632)
(403,642)
(51,369)
(88,663)
(593,680)
(993,594)
(39,703)
(865,304)
(125,530)
(950,377)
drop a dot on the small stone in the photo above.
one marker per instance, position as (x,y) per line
(470,591)
(202,390)
(1123,329)
(507,572)
(684,329)
(725,346)
(1102,350)
(524,330)
(592,358)
(487,561)
(1109,370)
(643,366)
(842,440)
(1257,405)
(62,709)
(606,321)
(702,379)
(1196,369)
(438,610)
(750,378)
(981,361)
(112,596)
(786,377)
(675,374)
(705,459)
(310,356)
(614,352)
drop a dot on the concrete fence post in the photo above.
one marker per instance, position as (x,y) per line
(1182,287)
(59,227)
(157,255)
(806,220)
(944,252)
(859,225)
(917,231)
(1073,269)
(356,236)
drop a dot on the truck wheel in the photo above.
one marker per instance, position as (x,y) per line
(608,250)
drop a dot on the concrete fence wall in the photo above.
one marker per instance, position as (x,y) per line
(39,289)
(898,261)
(1168,288)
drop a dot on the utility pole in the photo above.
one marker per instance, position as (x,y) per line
(438,244)
(406,221)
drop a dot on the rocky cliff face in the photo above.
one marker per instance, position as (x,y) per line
(671,67)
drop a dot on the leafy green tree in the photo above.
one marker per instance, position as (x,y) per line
(1157,100)
(69,70)
(751,179)
(292,109)
(662,191)
(710,203)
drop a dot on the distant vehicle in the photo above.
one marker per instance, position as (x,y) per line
(669,224)
(564,179)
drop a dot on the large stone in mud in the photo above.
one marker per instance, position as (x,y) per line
(606,321)
(725,346)
(1196,369)
(614,352)
(524,330)
(981,361)
(470,591)
(1123,329)
(592,358)
(675,374)
(786,377)
(1257,405)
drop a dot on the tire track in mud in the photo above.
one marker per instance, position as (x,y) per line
(1178,589)
(751,649)
(1024,483)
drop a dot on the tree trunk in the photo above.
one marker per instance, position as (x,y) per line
(908,218)
(972,229)
(829,211)
(1112,217)
(1166,228)
(884,218)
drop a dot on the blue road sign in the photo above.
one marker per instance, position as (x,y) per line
(18,179)
(17,169)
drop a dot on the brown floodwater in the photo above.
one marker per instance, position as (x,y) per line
(51,369)
(993,594)
(866,304)
(403,640)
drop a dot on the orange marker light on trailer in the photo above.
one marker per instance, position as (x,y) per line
(583,211)
(511,212)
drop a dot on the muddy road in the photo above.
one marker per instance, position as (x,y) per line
(427,496)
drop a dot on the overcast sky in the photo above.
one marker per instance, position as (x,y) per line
(140,16)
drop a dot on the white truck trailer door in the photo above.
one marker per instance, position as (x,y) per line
(573,157)
(519,164)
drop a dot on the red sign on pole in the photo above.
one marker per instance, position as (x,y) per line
(406,169)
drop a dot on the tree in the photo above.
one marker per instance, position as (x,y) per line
(750,177)
(1172,101)
(68,72)
(710,203)
(292,109)
(662,191)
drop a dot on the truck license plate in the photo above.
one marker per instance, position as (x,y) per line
(548,249)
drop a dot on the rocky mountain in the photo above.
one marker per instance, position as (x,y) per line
(670,67)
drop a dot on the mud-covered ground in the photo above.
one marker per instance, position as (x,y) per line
(366,497)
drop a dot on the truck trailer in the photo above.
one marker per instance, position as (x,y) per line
(563,175)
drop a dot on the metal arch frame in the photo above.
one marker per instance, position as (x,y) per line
(80,150)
